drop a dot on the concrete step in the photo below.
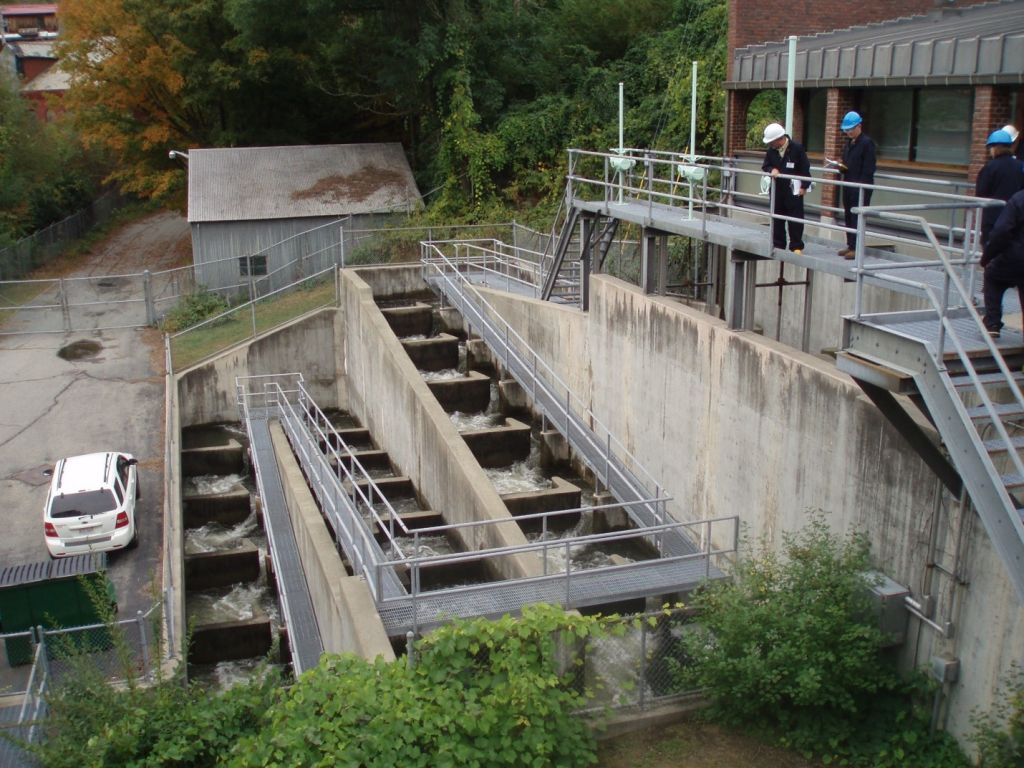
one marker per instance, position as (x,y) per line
(437,353)
(228,508)
(414,320)
(561,495)
(208,570)
(468,394)
(499,446)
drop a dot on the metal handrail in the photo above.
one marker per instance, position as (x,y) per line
(667,194)
(947,328)
(510,334)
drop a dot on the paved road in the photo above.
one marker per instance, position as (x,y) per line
(109,399)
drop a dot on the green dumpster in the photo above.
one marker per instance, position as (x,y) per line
(50,594)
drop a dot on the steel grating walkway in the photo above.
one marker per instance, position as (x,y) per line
(585,588)
(297,607)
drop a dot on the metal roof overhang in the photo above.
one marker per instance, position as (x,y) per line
(978,45)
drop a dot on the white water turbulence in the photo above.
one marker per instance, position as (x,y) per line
(211,485)
(426,546)
(228,674)
(446,375)
(414,337)
(466,422)
(216,536)
(525,475)
(240,602)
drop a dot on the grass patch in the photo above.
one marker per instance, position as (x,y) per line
(203,341)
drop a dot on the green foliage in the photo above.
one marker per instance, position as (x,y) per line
(481,693)
(791,647)
(999,733)
(193,309)
(44,175)
(766,107)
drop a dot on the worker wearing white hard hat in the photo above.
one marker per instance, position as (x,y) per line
(784,160)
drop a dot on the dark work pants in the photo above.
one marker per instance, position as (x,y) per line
(1000,274)
(788,205)
(851,198)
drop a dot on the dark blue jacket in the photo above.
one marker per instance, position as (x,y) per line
(1007,236)
(859,159)
(1000,179)
(793,162)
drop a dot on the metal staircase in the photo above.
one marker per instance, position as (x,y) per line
(967,384)
(563,277)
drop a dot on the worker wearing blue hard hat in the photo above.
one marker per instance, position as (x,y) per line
(1003,260)
(858,166)
(1000,179)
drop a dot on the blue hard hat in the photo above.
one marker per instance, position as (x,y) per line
(850,120)
(999,137)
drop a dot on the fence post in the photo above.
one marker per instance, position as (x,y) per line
(169,617)
(147,290)
(143,641)
(410,650)
(65,310)
(341,244)
(643,662)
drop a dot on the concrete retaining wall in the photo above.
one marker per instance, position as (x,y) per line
(308,345)
(734,423)
(344,608)
(389,396)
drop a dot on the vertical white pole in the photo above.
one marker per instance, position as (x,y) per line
(693,111)
(790,84)
(620,117)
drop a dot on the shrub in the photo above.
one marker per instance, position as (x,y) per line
(482,693)
(999,733)
(791,647)
(194,309)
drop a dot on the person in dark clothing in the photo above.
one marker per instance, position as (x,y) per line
(787,157)
(1000,179)
(858,166)
(1003,260)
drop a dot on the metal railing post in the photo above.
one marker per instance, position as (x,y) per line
(861,231)
(643,663)
(143,641)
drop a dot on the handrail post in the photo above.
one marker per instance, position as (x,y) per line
(861,230)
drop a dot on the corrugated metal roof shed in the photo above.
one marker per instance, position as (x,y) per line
(254,183)
(981,44)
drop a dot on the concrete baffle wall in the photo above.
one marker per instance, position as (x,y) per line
(389,396)
(734,423)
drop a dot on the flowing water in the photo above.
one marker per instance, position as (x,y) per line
(214,537)
(465,422)
(212,485)
(236,603)
(444,375)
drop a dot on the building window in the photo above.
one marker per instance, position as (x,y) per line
(814,130)
(925,125)
(258,262)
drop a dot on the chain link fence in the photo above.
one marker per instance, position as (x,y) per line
(33,251)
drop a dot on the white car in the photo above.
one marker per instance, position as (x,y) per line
(91,504)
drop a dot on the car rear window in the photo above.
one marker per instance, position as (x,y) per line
(85,503)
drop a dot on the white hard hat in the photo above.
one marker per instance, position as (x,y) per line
(772,132)
(1012,131)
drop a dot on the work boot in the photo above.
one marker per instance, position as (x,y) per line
(848,253)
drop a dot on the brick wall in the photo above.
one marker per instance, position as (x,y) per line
(838,101)
(761,21)
(991,111)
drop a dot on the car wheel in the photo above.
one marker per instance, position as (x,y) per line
(135,540)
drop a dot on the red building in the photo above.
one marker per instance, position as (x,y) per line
(930,84)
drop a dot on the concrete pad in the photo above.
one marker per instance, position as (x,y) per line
(213,460)
(416,320)
(499,446)
(561,495)
(228,508)
(230,640)
(206,570)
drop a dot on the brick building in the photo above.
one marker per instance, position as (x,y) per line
(930,84)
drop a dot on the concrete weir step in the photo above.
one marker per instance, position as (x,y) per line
(424,518)
(230,640)
(561,495)
(227,508)
(499,446)
(368,459)
(226,459)
(351,436)
(437,353)
(207,570)
(414,320)
(391,487)
(469,394)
